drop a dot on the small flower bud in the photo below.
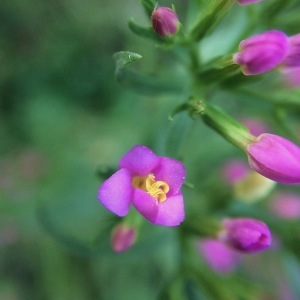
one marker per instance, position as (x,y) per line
(218,255)
(246,235)
(247,2)
(275,158)
(123,237)
(164,21)
(262,52)
(286,205)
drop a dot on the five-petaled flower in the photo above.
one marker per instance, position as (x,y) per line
(151,183)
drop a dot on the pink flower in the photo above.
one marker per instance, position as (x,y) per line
(151,183)
(218,256)
(164,21)
(123,237)
(286,205)
(246,235)
(275,158)
(262,52)
(246,2)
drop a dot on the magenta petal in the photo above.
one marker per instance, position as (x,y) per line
(275,158)
(172,172)
(115,193)
(145,204)
(171,211)
(140,160)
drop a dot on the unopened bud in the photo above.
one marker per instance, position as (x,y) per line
(164,21)
(123,237)
(246,235)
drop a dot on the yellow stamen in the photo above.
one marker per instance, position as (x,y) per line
(157,189)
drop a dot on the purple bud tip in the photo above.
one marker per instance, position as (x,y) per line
(246,235)
(164,21)
(262,52)
(275,158)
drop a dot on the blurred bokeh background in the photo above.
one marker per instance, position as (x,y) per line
(63,121)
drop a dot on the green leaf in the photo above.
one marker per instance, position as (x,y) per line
(146,32)
(149,6)
(124,58)
(143,83)
(209,18)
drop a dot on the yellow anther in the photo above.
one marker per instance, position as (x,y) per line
(157,189)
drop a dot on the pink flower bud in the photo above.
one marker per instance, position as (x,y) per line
(123,237)
(275,158)
(218,255)
(247,2)
(246,235)
(286,205)
(262,52)
(164,21)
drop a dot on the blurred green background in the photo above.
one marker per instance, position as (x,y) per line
(64,119)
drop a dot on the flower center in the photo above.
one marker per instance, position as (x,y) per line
(156,189)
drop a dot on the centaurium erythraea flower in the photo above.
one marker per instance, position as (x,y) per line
(151,183)
(218,255)
(247,2)
(245,234)
(262,52)
(275,158)
(165,21)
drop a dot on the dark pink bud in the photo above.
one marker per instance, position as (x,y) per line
(275,158)
(123,237)
(246,235)
(262,52)
(164,21)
